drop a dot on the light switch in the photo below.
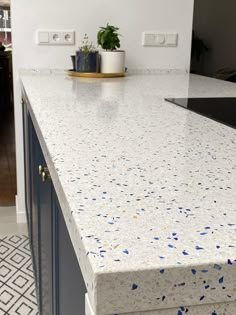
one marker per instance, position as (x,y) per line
(43,37)
(157,39)
(160,39)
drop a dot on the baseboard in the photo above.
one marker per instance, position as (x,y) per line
(20,213)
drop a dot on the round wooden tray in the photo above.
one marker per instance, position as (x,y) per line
(94,74)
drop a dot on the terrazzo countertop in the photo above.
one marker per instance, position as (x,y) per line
(148,189)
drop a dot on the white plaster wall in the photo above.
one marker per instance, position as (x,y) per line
(132,16)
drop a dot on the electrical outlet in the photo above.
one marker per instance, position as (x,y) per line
(55,37)
(68,37)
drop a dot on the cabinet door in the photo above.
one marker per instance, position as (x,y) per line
(44,208)
(41,223)
(68,281)
(34,221)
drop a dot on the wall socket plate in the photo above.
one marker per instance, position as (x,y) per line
(55,37)
(157,39)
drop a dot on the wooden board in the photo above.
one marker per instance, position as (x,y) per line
(94,74)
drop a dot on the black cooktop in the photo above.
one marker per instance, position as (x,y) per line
(221,109)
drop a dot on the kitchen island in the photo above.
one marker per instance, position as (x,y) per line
(147,189)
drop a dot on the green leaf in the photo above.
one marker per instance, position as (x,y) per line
(108,38)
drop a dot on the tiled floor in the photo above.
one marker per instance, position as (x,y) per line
(8,224)
(7,159)
(17,287)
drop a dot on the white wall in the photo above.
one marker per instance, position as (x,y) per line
(215,23)
(132,16)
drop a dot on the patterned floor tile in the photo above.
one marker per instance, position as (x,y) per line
(6,271)
(2,312)
(5,249)
(8,298)
(23,307)
(28,269)
(14,240)
(17,286)
(20,282)
(17,259)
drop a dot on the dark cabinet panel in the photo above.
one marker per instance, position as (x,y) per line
(44,208)
(33,191)
(70,293)
(59,282)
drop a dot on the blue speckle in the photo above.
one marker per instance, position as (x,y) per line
(203,233)
(156,238)
(162,257)
(142,209)
(171,246)
(194,271)
(126,251)
(217,267)
(180,313)
(162,270)
(102,252)
(134,286)
(204,270)
(230,262)
(207,286)
(214,313)
(185,253)
(202,297)
(110,222)
(221,280)
(199,248)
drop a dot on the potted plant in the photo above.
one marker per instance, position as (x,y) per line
(112,60)
(86,57)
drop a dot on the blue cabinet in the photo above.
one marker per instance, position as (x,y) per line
(69,283)
(45,217)
(59,282)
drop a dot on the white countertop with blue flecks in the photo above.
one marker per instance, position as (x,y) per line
(148,189)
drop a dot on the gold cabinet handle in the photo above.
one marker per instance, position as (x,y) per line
(41,169)
(46,175)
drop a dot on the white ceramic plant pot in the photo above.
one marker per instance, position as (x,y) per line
(113,61)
